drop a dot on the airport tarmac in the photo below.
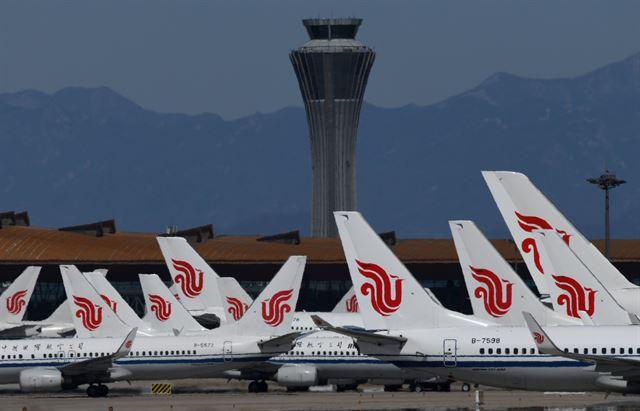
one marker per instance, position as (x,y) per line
(200,395)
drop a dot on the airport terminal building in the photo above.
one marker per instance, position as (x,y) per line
(251,260)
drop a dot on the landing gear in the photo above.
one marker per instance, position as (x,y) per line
(465,387)
(346,387)
(297,389)
(393,388)
(95,391)
(258,386)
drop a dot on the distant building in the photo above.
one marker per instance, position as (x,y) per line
(332,70)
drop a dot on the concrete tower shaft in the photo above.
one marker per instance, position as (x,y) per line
(332,70)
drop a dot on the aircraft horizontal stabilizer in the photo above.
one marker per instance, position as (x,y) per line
(101,365)
(277,343)
(362,336)
(604,363)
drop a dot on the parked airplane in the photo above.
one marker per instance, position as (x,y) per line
(114,353)
(525,209)
(13,305)
(411,335)
(496,292)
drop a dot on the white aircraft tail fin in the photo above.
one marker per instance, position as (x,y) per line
(15,299)
(91,316)
(272,312)
(235,299)
(164,312)
(195,280)
(525,209)
(348,303)
(573,287)
(389,297)
(495,290)
(114,300)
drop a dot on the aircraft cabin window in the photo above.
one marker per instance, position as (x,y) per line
(506,351)
(532,351)
(613,350)
(481,350)
(490,350)
(594,350)
(604,350)
(585,351)
(524,351)
(515,351)
(621,351)
(566,350)
(33,356)
(194,352)
(575,351)
(637,350)
(630,350)
(498,351)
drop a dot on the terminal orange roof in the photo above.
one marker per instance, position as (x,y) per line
(20,244)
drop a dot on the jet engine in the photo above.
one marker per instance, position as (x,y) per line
(41,380)
(297,376)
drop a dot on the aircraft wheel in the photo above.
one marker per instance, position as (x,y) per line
(92,391)
(416,388)
(465,387)
(103,390)
(253,386)
(392,388)
(262,386)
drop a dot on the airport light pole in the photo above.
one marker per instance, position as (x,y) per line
(606,182)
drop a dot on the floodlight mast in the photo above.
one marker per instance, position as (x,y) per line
(606,182)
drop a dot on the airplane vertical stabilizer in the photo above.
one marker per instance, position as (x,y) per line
(15,299)
(574,288)
(91,315)
(389,297)
(272,311)
(496,291)
(235,299)
(347,304)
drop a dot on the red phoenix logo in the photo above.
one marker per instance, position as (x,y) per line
(539,338)
(577,297)
(160,307)
(236,308)
(495,292)
(382,300)
(352,304)
(89,313)
(274,308)
(112,304)
(189,279)
(530,223)
(16,301)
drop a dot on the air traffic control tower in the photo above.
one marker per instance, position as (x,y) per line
(332,70)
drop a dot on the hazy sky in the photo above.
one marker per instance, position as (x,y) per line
(231,58)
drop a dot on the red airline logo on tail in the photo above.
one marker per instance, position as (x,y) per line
(539,338)
(274,308)
(16,302)
(495,292)
(236,308)
(160,307)
(576,298)
(89,313)
(530,223)
(112,304)
(383,300)
(190,279)
(352,304)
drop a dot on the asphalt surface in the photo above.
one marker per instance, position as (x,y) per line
(216,395)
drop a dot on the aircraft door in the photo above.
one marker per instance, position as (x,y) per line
(227,351)
(449,352)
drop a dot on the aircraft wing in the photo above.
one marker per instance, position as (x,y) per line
(604,363)
(363,336)
(19,331)
(100,365)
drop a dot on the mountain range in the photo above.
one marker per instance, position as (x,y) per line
(86,154)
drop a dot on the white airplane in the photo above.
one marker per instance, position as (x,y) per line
(113,353)
(525,209)
(495,290)
(411,334)
(13,305)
